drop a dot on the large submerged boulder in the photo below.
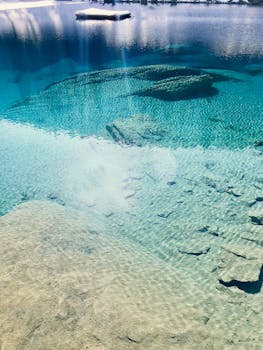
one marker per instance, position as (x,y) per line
(136,130)
(193,247)
(180,88)
(160,72)
(241,267)
(253,69)
(150,72)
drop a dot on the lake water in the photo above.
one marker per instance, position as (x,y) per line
(177,199)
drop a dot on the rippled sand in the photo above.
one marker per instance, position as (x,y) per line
(66,284)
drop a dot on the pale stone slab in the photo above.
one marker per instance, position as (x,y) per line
(94,13)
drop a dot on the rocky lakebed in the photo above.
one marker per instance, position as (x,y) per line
(130,237)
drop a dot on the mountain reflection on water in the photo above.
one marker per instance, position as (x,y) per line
(216,33)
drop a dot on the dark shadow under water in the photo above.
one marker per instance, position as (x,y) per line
(247,287)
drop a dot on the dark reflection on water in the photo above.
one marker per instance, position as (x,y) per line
(220,36)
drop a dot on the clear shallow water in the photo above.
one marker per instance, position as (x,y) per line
(181,196)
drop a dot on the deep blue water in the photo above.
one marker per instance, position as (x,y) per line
(219,37)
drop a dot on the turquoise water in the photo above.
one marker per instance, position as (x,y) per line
(59,47)
(183,175)
(69,117)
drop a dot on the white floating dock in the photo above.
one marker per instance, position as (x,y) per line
(94,13)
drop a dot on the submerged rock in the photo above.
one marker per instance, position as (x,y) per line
(160,72)
(253,69)
(259,143)
(245,252)
(181,88)
(166,214)
(213,231)
(193,247)
(73,103)
(241,267)
(256,216)
(244,272)
(150,72)
(81,103)
(137,130)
